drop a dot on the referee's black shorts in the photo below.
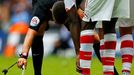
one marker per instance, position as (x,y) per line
(41,12)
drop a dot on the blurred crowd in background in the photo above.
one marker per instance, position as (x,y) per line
(15,16)
(14,19)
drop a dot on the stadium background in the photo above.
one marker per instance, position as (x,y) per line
(59,59)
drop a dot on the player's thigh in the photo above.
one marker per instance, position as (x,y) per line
(109,26)
(87,25)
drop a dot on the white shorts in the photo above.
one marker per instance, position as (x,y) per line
(120,23)
(132,9)
(98,24)
(100,10)
(125,23)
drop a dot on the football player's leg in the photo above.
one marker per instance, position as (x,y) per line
(38,50)
(127,48)
(108,54)
(86,46)
(102,48)
(98,36)
(37,54)
(39,22)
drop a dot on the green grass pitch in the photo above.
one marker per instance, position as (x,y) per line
(53,65)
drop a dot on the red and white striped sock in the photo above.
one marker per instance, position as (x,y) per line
(127,51)
(101,47)
(86,48)
(108,54)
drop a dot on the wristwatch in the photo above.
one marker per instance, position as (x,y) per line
(24,55)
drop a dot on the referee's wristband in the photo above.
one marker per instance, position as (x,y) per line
(24,55)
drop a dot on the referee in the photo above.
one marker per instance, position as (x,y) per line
(39,23)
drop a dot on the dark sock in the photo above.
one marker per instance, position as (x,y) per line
(96,47)
(115,71)
(37,54)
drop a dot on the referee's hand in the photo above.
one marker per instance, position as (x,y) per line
(21,62)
